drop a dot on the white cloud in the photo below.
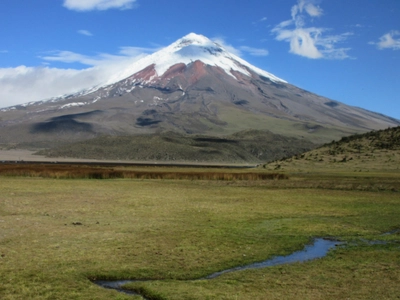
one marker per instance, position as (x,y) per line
(305,6)
(72,57)
(87,5)
(389,41)
(302,41)
(124,55)
(254,51)
(239,51)
(228,47)
(24,84)
(85,32)
(312,10)
(309,42)
(136,51)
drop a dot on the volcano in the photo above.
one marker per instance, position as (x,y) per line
(192,87)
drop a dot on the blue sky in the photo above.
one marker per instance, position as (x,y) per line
(344,50)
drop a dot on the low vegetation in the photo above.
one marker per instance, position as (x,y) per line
(373,151)
(244,147)
(60,171)
(58,234)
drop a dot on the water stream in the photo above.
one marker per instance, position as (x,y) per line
(117,285)
(318,249)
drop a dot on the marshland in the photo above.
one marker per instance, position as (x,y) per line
(61,228)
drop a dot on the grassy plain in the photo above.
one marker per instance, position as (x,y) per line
(57,234)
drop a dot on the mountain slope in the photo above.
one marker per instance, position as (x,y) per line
(371,151)
(193,86)
(244,147)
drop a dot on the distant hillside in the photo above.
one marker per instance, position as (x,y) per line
(249,146)
(375,150)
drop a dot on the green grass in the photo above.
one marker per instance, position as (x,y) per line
(174,231)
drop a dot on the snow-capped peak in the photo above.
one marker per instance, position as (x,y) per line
(188,49)
(193,39)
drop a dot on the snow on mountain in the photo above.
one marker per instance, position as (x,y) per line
(192,47)
(188,49)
